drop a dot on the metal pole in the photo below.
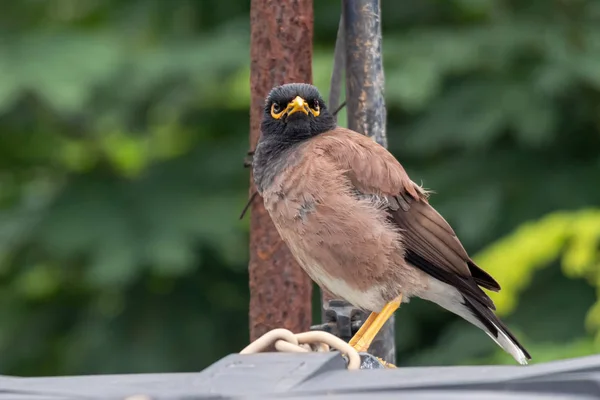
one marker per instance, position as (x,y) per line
(364,69)
(339,66)
(366,107)
(338,316)
(281,36)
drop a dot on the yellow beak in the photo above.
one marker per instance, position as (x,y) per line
(298,104)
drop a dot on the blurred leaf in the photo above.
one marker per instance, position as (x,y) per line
(513,259)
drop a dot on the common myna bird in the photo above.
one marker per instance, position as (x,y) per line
(358,225)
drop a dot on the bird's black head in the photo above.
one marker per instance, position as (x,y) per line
(295,112)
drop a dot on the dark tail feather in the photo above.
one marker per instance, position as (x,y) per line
(482,278)
(497,330)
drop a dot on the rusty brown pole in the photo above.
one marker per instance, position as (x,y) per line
(281,36)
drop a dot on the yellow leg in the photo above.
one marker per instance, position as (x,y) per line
(365,335)
(363,329)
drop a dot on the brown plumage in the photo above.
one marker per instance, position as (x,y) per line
(355,221)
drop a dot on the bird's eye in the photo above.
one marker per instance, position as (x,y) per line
(276,111)
(316,108)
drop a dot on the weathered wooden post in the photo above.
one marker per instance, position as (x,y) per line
(281,37)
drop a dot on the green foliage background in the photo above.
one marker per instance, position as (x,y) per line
(124,123)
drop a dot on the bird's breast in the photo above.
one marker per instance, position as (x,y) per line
(344,243)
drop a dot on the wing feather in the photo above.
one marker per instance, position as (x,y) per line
(430,242)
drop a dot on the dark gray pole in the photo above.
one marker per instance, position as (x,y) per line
(364,69)
(358,54)
(337,73)
(366,104)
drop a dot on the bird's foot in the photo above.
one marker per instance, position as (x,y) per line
(366,334)
(385,363)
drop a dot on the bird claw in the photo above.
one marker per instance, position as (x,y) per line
(385,363)
(369,361)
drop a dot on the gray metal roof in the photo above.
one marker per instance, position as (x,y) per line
(318,376)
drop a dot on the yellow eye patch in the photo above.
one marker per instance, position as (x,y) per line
(316,110)
(274,108)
